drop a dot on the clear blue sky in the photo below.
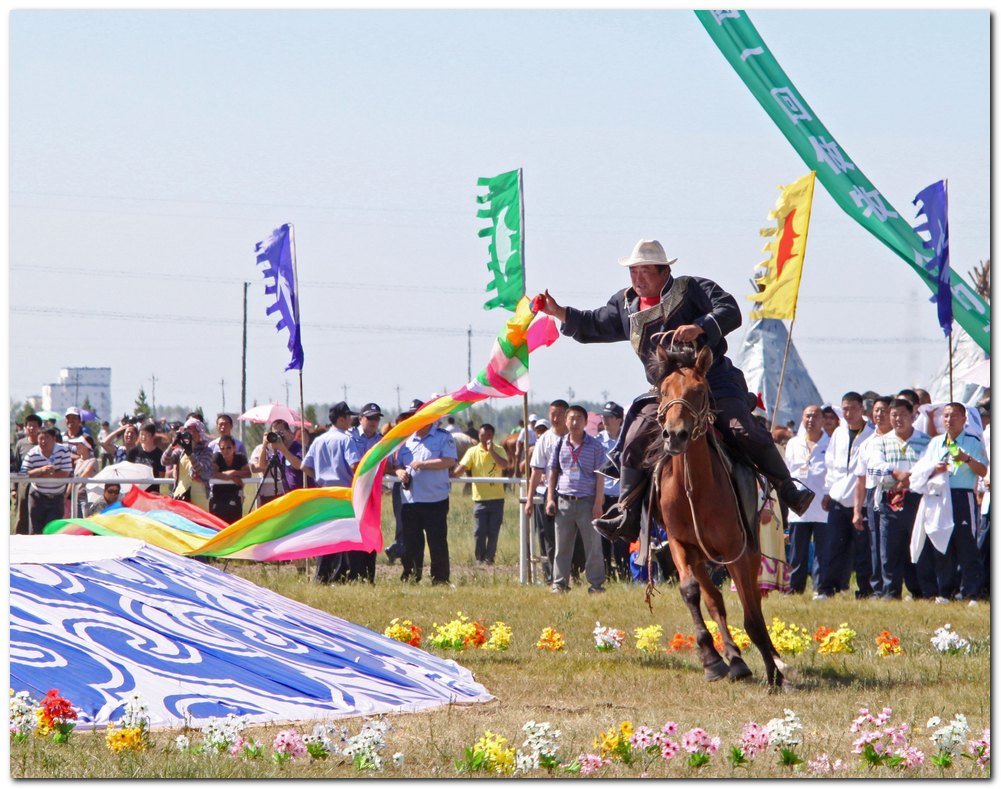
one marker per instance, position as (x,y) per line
(151,150)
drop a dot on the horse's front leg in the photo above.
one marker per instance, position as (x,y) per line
(717,610)
(713,665)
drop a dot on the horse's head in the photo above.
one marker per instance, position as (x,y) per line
(683,412)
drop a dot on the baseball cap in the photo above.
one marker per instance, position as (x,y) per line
(612,409)
(533,418)
(415,404)
(543,423)
(340,409)
(371,409)
(72,411)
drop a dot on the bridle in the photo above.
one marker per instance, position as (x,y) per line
(702,416)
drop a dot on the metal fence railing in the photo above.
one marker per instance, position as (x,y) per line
(526,558)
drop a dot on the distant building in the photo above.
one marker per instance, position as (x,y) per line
(77,384)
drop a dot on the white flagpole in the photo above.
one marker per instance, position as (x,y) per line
(295,318)
(525,530)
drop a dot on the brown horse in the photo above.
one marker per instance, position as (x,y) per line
(514,447)
(700,512)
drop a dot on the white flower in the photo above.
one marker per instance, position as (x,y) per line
(397,759)
(182,743)
(947,640)
(952,737)
(782,732)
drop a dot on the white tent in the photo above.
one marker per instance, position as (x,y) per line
(760,359)
(966,355)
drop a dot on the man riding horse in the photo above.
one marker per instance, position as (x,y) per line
(690,308)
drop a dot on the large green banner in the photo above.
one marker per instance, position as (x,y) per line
(741,45)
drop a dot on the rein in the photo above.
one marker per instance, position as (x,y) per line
(698,432)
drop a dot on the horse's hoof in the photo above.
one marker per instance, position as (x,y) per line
(738,670)
(716,671)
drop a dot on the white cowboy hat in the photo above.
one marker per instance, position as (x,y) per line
(647,253)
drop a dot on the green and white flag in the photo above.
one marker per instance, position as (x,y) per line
(502,206)
(741,45)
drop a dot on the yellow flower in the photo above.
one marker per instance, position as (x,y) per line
(840,641)
(740,638)
(42,728)
(131,739)
(615,742)
(500,637)
(648,638)
(496,757)
(405,631)
(789,639)
(550,640)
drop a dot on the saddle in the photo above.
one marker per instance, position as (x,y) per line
(744,481)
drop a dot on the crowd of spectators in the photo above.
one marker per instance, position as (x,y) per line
(896,478)
(862,459)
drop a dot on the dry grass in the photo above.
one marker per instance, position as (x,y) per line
(582,691)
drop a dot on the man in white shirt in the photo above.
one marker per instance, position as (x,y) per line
(837,538)
(804,456)
(545,525)
(864,516)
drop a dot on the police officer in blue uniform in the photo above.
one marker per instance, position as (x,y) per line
(331,460)
(422,465)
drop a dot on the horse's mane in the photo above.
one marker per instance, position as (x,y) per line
(671,357)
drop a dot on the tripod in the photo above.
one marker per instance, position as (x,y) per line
(276,470)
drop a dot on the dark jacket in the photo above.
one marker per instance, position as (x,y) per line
(686,300)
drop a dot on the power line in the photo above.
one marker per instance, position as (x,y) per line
(152,318)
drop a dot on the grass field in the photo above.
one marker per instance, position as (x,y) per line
(582,691)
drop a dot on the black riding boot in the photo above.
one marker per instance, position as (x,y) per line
(622,521)
(770,462)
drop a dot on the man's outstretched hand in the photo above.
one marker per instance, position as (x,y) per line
(547,305)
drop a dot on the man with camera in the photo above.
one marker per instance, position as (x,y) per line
(279,458)
(189,453)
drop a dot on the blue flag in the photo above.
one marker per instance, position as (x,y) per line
(935,208)
(274,255)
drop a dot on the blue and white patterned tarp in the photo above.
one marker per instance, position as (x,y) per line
(100,618)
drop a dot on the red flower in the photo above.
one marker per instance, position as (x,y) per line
(479,636)
(56,710)
(822,633)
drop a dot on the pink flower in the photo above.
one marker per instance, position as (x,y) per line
(753,740)
(290,742)
(236,749)
(642,738)
(670,728)
(912,756)
(668,749)
(591,762)
(823,764)
(695,740)
(981,749)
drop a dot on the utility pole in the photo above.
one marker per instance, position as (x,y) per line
(222,385)
(570,394)
(243,370)
(469,354)
(286,397)
(399,406)
(344,388)
(153,381)
(604,395)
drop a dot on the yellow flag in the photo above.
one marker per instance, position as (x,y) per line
(778,277)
